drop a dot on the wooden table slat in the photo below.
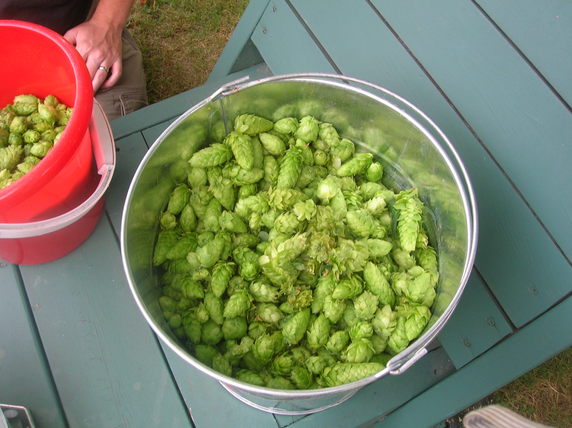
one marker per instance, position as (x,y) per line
(104,358)
(284,43)
(236,54)
(542,32)
(25,377)
(517,117)
(476,325)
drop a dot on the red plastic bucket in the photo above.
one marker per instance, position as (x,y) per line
(43,241)
(52,209)
(41,62)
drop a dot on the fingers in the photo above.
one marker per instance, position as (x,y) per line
(103,76)
(101,49)
(98,78)
(113,75)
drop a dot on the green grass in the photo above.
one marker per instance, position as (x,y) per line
(544,394)
(181,41)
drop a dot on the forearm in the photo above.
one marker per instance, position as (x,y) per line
(113,13)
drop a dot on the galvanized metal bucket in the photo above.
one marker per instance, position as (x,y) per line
(414,151)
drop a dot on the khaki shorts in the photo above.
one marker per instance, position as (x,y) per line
(130,92)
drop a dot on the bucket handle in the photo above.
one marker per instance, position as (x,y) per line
(398,368)
(104,153)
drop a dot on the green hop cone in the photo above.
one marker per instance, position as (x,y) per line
(308,129)
(273,144)
(342,373)
(377,284)
(290,167)
(358,164)
(410,210)
(237,305)
(294,327)
(213,155)
(318,333)
(338,341)
(251,124)
(242,149)
(286,125)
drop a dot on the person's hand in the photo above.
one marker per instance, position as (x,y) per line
(100,46)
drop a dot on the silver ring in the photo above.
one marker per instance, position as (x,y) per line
(104,68)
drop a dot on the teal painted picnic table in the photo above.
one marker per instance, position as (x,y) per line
(494,76)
